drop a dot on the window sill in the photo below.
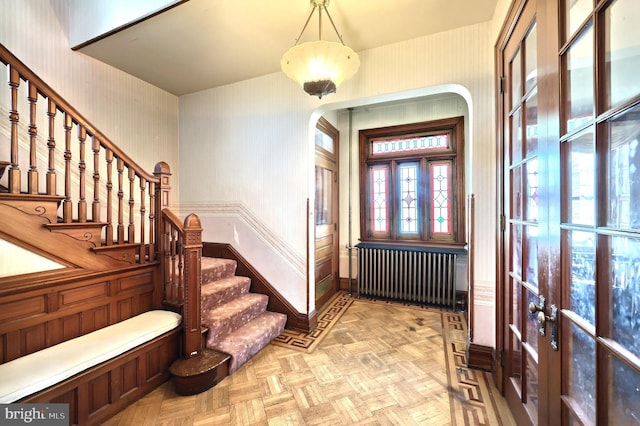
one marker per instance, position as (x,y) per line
(434,247)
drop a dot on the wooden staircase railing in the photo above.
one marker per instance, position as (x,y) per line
(98,184)
(55,151)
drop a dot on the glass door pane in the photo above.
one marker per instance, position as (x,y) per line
(622,51)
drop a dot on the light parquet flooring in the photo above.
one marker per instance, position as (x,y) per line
(379,364)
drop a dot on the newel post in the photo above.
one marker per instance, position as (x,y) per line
(191,308)
(163,173)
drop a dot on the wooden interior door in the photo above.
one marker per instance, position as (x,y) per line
(326,213)
(524,345)
(599,51)
(570,246)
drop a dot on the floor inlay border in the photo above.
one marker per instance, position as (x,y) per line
(307,342)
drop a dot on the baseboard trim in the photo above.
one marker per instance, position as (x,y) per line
(479,357)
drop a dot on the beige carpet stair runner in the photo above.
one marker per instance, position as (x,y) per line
(238,321)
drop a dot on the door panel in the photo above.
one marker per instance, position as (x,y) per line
(522,185)
(570,247)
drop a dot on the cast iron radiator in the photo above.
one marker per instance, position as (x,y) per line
(407,274)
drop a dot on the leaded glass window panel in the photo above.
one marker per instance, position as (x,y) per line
(441,190)
(380,198)
(408,198)
(411,144)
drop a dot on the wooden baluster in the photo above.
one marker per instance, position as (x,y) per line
(32,176)
(161,197)
(120,239)
(67,214)
(95,206)
(109,228)
(167,265)
(153,243)
(82,167)
(143,211)
(173,275)
(180,277)
(131,234)
(14,118)
(51,144)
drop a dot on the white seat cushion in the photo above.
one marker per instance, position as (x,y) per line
(39,370)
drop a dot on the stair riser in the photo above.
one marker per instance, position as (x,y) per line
(249,340)
(217,269)
(220,292)
(230,317)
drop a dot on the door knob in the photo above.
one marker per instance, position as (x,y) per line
(533,308)
(540,309)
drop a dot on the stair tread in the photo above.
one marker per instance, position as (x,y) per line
(219,292)
(232,315)
(247,340)
(214,268)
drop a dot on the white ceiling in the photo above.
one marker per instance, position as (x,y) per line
(202,44)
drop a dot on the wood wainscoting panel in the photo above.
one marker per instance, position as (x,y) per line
(33,339)
(73,296)
(70,398)
(131,376)
(15,309)
(69,327)
(95,318)
(99,392)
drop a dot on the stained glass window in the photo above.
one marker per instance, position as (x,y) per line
(415,144)
(409,198)
(409,184)
(440,197)
(379,197)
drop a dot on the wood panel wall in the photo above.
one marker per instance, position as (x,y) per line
(58,310)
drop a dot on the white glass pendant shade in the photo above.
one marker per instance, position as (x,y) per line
(320,66)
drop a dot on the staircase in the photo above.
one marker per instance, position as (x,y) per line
(238,321)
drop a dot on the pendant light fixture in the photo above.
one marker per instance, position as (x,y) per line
(320,66)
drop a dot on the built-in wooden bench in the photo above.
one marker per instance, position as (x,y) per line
(96,341)
(58,364)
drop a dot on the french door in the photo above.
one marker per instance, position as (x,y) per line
(570,246)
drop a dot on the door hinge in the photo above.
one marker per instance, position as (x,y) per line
(501,84)
(501,358)
(502,223)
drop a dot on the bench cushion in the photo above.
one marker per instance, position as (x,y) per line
(39,370)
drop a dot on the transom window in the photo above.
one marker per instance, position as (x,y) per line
(412,176)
